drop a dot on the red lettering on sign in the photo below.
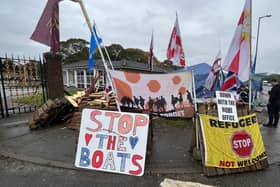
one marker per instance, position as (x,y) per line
(135,163)
(111,142)
(113,115)
(97,159)
(125,124)
(226,163)
(92,117)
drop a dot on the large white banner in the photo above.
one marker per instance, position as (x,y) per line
(167,95)
(112,141)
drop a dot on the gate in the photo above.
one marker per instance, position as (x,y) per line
(23,85)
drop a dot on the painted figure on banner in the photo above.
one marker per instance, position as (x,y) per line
(162,94)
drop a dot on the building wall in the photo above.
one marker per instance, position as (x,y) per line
(81,78)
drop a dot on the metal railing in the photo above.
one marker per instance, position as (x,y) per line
(23,85)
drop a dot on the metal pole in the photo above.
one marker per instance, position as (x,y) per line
(42,80)
(1,104)
(196,114)
(250,64)
(255,58)
(257,42)
(3,87)
(100,51)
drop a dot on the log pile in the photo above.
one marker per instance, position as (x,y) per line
(99,100)
(48,112)
(71,107)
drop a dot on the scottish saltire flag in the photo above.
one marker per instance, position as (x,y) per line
(93,46)
(230,83)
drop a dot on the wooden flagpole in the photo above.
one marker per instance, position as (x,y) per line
(100,51)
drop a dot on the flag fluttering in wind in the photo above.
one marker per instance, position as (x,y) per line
(93,46)
(237,59)
(151,54)
(230,82)
(213,76)
(47,29)
(175,48)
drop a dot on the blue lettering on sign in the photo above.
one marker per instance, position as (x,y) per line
(101,140)
(124,156)
(84,161)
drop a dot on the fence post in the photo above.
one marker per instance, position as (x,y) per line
(54,75)
(1,104)
(3,88)
(43,84)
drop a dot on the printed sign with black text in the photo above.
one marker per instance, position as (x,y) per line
(226,107)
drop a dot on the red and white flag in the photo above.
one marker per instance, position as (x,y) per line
(237,59)
(212,77)
(151,53)
(175,47)
(230,83)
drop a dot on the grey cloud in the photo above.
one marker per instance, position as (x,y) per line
(205,25)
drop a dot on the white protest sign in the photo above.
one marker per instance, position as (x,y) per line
(226,107)
(112,141)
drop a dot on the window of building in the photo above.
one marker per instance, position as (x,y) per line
(89,78)
(102,80)
(71,78)
(80,78)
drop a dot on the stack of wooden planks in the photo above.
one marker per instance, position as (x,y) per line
(71,107)
(99,100)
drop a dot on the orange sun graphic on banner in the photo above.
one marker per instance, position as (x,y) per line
(176,79)
(132,77)
(153,85)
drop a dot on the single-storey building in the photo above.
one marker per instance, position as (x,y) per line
(76,74)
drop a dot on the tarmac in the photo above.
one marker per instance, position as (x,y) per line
(55,146)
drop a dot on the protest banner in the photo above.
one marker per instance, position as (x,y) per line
(112,141)
(167,95)
(226,106)
(232,144)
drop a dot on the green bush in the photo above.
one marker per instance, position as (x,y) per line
(35,99)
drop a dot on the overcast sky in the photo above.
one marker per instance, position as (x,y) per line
(205,26)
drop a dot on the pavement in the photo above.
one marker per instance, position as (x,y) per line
(55,146)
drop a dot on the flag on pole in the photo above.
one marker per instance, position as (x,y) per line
(93,45)
(175,47)
(151,54)
(230,83)
(214,73)
(237,59)
(47,29)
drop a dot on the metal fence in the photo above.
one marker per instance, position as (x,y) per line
(23,85)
